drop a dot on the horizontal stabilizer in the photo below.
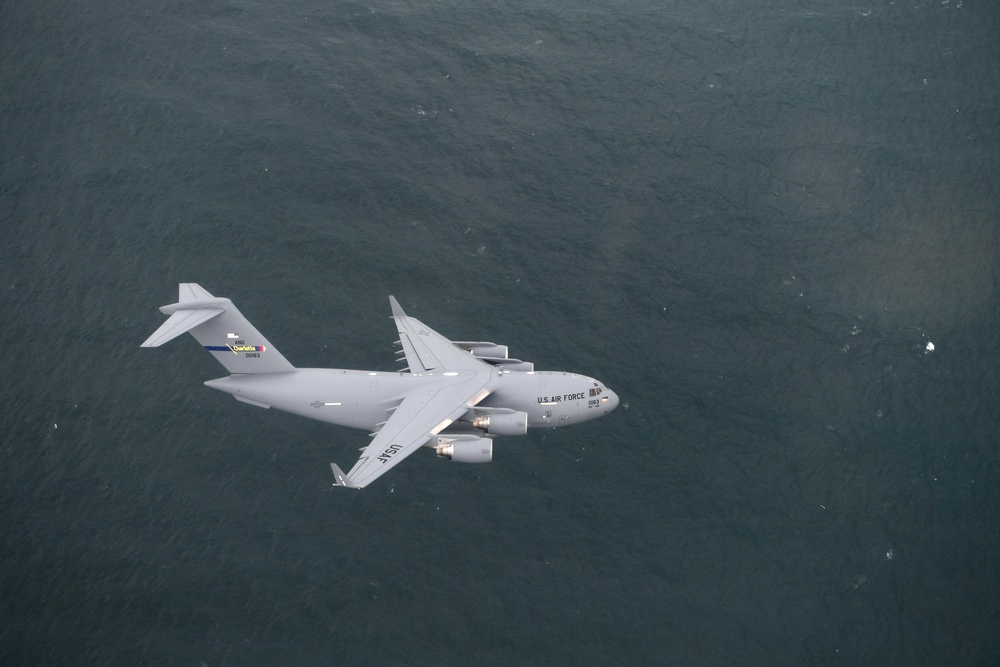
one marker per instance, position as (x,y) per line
(181,321)
(248,401)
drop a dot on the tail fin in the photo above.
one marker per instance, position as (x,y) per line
(221,328)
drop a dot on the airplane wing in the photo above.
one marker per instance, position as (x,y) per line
(422,414)
(428,350)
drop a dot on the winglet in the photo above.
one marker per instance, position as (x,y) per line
(339,478)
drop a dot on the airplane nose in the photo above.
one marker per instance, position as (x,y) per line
(612,400)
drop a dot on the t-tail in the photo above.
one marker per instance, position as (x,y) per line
(221,329)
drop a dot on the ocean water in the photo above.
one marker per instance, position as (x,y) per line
(772,227)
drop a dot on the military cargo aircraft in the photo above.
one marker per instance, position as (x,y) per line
(453,396)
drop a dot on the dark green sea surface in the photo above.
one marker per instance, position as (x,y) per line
(772,227)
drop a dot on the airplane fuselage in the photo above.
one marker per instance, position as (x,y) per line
(359,399)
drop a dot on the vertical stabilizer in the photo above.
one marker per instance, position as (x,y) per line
(192,292)
(221,329)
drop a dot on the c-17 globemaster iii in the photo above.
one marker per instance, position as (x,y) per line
(453,397)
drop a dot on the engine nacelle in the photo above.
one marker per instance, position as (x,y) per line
(497,355)
(515,365)
(483,349)
(466,450)
(502,423)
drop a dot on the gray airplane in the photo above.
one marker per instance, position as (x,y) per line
(453,397)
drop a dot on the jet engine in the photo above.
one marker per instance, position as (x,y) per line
(465,450)
(494,354)
(483,349)
(514,365)
(502,423)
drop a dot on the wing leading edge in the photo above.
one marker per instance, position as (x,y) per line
(422,414)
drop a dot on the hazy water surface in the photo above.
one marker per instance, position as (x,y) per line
(751,219)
